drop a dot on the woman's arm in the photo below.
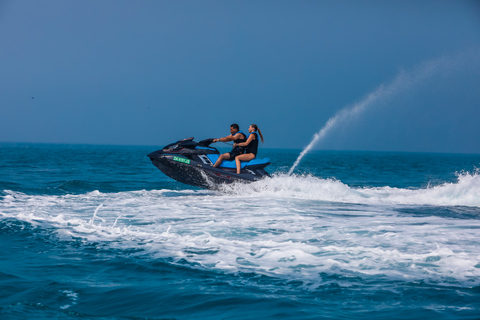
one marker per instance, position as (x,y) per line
(246,143)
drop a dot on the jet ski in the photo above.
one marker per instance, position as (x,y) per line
(192,163)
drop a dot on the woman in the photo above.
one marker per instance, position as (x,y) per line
(251,144)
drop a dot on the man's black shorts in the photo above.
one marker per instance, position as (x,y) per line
(233,154)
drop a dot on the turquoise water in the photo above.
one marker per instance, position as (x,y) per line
(97,232)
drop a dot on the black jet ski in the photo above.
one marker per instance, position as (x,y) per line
(192,162)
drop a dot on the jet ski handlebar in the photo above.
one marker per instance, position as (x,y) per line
(206,142)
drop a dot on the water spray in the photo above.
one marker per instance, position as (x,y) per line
(404,81)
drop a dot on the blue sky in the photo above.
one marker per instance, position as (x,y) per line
(150,72)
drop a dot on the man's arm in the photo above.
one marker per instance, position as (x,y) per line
(227,138)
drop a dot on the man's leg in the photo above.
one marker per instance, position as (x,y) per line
(222,157)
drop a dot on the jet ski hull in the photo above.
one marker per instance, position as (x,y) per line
(194,166)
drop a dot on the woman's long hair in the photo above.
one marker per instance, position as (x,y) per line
(259,132)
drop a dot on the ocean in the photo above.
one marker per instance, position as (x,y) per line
(98,232)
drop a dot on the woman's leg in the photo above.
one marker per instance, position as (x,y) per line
(243,157)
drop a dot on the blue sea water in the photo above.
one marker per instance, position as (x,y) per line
(97,232)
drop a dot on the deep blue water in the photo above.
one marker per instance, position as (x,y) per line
(97,232)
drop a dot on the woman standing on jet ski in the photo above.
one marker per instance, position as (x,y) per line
(251,146)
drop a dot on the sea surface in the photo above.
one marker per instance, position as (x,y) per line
(98,232)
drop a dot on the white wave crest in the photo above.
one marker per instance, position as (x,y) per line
(464,192)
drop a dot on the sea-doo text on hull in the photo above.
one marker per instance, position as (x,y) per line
(192,162)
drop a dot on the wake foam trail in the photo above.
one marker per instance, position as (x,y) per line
(464,192)
(403,82)
(272,228)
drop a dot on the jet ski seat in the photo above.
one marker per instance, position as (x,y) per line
(231,163)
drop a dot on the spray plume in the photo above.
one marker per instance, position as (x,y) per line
(403,82)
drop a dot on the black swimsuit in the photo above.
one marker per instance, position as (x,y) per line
(253,145)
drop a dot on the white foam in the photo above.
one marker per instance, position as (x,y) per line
(464,192)
(290,227)
(72,296)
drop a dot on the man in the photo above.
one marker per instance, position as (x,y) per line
(236,136)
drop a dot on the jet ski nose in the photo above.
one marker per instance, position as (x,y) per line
(155,154)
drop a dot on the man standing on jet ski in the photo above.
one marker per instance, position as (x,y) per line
(236,136)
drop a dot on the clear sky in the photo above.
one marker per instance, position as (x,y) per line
(151,72)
